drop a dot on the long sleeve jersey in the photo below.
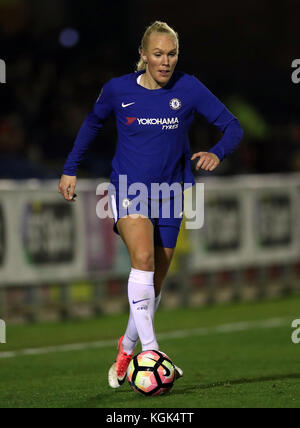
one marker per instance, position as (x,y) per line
(153,125)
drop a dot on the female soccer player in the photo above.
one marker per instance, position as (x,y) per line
(154,109)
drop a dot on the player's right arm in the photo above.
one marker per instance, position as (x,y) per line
(86,135)
(67,186)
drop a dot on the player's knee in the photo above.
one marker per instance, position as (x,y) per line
(143,260)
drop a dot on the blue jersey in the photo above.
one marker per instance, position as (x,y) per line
(153,125)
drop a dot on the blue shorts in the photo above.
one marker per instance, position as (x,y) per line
(165,214)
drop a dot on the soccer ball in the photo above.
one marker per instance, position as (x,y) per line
(151,373)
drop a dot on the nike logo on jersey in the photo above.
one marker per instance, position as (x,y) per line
(127,105)
(138,301)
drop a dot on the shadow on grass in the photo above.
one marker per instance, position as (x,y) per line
(229,383)
(125,396)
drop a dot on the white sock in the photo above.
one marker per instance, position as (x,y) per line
(131,336)
(141,297)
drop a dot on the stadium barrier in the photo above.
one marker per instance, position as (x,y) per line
(54,254)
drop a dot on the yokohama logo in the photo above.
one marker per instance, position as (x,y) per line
(165,122)
(160,121)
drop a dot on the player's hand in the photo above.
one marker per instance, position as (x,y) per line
(208,161)
(67,186)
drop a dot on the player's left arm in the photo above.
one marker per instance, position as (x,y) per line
(209,106)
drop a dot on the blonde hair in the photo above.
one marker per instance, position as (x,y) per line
(156,27)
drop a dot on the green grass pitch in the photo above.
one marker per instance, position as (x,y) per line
(244,363)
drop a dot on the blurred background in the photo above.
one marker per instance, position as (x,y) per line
(58,55)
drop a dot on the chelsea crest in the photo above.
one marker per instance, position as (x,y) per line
(175,104)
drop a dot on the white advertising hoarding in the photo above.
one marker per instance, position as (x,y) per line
(249,221)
